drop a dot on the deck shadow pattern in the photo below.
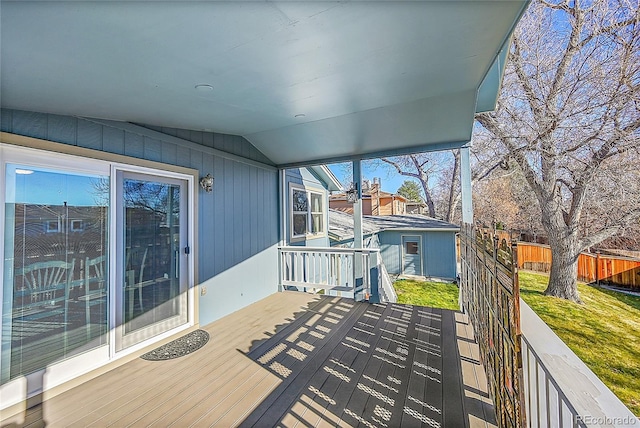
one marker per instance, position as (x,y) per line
(344,363)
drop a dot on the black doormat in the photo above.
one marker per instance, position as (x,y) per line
(178,348)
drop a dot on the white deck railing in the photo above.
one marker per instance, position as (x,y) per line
(560,390)
(387,292)
(345,272)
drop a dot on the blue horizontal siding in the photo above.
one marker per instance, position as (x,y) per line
(390,243)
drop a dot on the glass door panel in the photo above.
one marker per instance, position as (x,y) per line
(153,298)
(55,291)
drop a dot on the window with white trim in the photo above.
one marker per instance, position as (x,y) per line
(53,226)
(77,226)
(307,212)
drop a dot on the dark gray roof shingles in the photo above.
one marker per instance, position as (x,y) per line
(341,224)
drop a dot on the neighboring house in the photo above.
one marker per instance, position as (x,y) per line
(409,244)
(416,207)
(374,202)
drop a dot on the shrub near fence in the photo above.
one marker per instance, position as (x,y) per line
(620,271)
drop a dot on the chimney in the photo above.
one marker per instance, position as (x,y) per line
(376,184)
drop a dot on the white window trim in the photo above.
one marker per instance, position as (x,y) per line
(309,191)
(50,229)
(74,228)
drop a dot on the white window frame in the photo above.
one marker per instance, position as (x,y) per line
(309,213)
(73,225)
(322,213)
(50,229)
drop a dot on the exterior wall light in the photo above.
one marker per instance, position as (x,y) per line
(352,194)
(206,183)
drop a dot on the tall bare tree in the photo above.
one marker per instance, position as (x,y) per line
(439,175)
(568,116)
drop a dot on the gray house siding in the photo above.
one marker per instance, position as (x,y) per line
(234,144)
(237,222)
(304,177)
(372,241)
(438,252)
(390,243)
(369,241)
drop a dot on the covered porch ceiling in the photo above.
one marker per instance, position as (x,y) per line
(305,82)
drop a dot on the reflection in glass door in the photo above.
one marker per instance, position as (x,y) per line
(92,261)
(153,295)
(55,264)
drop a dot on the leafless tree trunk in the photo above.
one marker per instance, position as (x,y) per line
(568,113)
(454,193)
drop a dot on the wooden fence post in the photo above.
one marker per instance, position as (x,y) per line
(597,267)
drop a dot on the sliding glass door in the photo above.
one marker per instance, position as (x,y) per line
(152,249)
(55,295)
(95,260)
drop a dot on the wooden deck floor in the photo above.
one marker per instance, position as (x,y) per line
(296,360)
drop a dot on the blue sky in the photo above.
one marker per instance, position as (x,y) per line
(45,187)
(390,179)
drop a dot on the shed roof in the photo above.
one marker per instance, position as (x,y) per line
(411,221)
(341,224)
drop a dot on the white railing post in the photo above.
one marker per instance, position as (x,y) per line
(280,273)
(373,277)
(354,274)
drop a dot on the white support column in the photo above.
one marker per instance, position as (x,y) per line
(357,207)
(283,203)
(465,185)
(358,241)
(282,181)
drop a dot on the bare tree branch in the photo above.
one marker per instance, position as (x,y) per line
(569,117)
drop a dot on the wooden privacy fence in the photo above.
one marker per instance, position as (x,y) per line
(613,270)
(490,295)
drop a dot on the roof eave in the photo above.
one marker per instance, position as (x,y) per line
(324,173)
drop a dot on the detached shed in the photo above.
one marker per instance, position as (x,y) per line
(409,244)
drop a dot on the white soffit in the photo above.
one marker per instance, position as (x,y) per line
(302,81)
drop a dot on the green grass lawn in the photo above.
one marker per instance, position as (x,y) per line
(426,293)
(604,332)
